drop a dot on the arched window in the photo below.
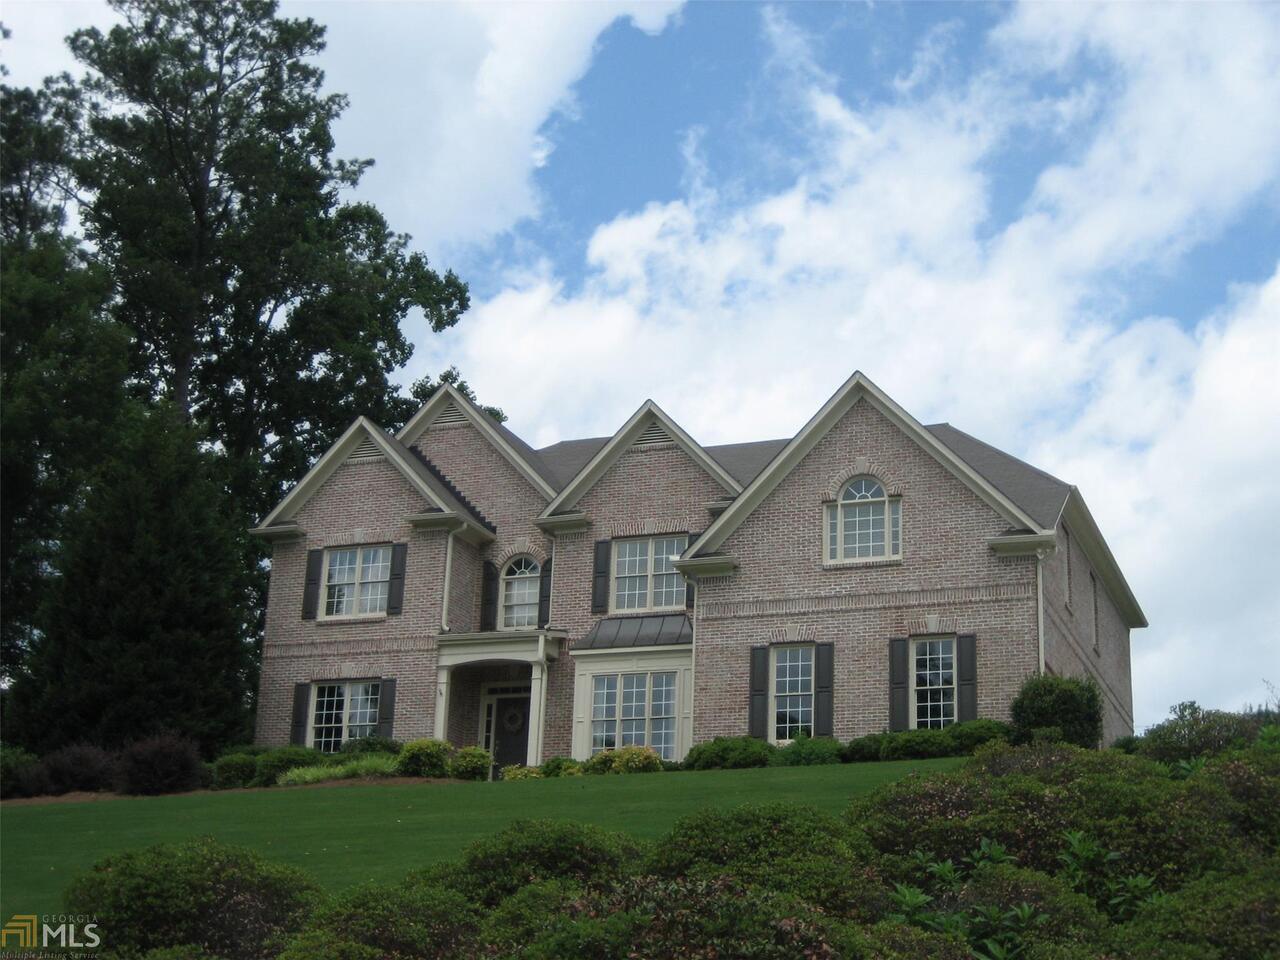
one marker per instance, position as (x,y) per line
(520,593)
(865,523)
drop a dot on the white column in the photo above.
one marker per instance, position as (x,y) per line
(441,727)
(537,710)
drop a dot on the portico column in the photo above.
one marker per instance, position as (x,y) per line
(537,710)
(441,727)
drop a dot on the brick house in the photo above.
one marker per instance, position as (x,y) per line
(867,574)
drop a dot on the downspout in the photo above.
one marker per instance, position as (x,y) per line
(1040,555)
(448,580)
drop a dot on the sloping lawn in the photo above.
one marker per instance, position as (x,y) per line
(350,834)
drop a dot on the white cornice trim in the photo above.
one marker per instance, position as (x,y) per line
(714,565)
(450,522)
(857,387)
(1017,544)
(480,420)
(686,648)
(563,523)
(607,455)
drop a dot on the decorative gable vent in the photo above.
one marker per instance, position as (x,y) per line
(450,414)
(653,433)
(365,451)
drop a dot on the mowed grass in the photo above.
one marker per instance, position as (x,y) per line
(349,834)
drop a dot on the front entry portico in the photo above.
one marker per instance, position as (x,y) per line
(506,711)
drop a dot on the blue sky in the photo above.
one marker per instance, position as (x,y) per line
(1056,226)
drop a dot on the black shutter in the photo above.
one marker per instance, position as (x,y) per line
(758,716)
(301,714)
(966,677)
(823,698)
(395,589)
(386,707)
(899,693)
(489,597)
(600,578)
(544,595)
(311,591)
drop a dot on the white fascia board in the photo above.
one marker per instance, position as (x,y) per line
(1089,536)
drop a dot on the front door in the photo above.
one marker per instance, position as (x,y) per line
(510,731)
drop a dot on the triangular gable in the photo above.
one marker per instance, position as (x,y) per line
(448,405)
(855,389)
(648,426)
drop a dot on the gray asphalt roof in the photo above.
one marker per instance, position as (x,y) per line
(649,631)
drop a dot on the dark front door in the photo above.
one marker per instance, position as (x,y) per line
(510,731)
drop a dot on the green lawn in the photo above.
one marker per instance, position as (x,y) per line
(345,835)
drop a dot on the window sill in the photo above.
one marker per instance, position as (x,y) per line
(647,611)
(353,618)
(872,562)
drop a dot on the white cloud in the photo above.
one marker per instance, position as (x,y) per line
(740,319)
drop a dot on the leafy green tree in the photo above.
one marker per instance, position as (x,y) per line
(145,625)
(424,389)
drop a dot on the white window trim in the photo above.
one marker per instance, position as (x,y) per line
(346,706)
(955,677)
(502,593)
(588,664)
(648,709)
(835,506)
(613,575)
(773,686)
(323,604)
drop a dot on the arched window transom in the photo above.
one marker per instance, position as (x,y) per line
(520,593)
(864,524)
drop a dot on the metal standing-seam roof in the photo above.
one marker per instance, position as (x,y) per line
(646,631)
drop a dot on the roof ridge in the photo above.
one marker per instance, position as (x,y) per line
(452,488)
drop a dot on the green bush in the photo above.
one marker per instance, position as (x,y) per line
(517,771)
(968,736)
(561,767)
(1069,703)
(807,752)
(1069,916)
(370,766)
(80,766)
(1126,744)
(424,758)
(470,763)
(636,760)
(1251,778)
(1193,732)
(225,900)
(15,764)
(917,745)
(234,770)
(865,749)
(523,917)
(729,753)
(599,763)
(160,764)
(272,763)
(411,921)
(185,952)
(371,744)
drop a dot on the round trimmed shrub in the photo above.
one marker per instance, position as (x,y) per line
(729,753)
(161,764)
(371,744)
(225,900)
(424,758)
(80,766)
(636,760)
(271,764)
(561,767)
(917,745)
(1193,732)
(864,749)
(807,752)
(14,764)
(1070,915)
(234,770)
(517,771)
(968,736)
(1071,704)
(470,763)
(524,916)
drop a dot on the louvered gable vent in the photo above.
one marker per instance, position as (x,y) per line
(365,451)
(451,414)
(653,433)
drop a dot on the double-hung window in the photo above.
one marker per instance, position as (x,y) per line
(357,581)
(644,574)
(634,710)
(342,712)
(792,692)
(933,687)
(864,524)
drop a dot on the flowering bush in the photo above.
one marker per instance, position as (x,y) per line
(636,760)
(517,771)
(561,767)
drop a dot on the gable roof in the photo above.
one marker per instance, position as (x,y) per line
(519,454)
(648,424)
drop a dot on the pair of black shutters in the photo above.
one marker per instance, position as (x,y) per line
(315,573)
(966,667)
(600,578)
(302,709)
(489,596)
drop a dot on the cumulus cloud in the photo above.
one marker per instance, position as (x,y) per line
(740,318)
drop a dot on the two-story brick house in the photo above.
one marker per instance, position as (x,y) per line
(867,574)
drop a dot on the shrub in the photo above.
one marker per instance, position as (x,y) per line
(599,763)
(424,758)
(561,767)
(807,752)
(864,749)
(275,762)
(80,766)
(371,766)
(1127,744)
(160,764)
(729,753)
(1251,779)
(1072,704)
(516,771)
(418,921)
(234,770)
(1069,915)
(1044,735)
(187,951)
(1193,732)
(14,766)
(968,736)
(525,915)
(470,763)
(636,760)
(917,745)
(371,744)
(225,900)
